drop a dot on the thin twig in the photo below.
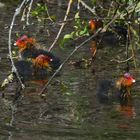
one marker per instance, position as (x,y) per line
(13,111)
(132,48)
(78,4)
(71,19)
(127,46)
(17,12)
(87,7)
(28,13)
(47,13)
(130,9)
(110,9)
(123,61)
(62,26)
(23,14)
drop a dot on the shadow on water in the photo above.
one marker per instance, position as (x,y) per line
(71,109)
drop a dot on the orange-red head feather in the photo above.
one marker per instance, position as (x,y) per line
(25,42)
(42,61)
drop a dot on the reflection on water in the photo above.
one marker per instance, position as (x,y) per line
(71,109)
(127,109)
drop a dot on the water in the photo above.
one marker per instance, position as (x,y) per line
(70,110)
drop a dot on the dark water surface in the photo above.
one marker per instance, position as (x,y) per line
(71,110)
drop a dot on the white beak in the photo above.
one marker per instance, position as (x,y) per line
(133,80)
(15,44)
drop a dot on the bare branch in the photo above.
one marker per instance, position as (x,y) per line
(122,61)
(62,26)
(87,7)
(28,13)
(17,12)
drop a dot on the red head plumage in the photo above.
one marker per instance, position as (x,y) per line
(95,24)
(25,42)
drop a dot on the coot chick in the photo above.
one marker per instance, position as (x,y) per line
(28,48)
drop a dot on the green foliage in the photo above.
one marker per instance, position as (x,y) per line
(80,30)
(93,2)
(41,12)
(66,39)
